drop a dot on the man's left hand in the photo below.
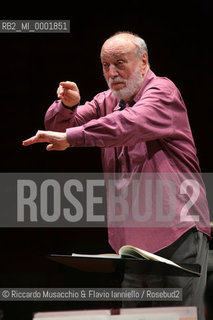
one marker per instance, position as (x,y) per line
(56,140)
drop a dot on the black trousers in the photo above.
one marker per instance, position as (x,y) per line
(192,247)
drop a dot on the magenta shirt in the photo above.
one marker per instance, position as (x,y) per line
(151,136)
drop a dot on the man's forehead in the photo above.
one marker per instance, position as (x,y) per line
(116,52)
(115,55)
(117,48)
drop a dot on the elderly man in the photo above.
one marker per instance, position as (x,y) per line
(141,126)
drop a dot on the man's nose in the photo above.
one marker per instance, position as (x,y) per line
(113,72)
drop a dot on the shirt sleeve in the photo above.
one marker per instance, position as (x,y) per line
(59,118)
(157,115)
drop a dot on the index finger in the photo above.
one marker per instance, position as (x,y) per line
(29,141)
(39,137)
(68,85)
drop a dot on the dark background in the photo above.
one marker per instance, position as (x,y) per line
(179,39)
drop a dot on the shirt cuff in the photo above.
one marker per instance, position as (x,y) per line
(75,136)
(65,110)
(69,108)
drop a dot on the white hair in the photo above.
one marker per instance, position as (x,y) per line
(137,40)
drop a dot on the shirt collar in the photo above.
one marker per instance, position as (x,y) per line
(149,75)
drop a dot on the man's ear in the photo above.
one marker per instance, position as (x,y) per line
(144,62)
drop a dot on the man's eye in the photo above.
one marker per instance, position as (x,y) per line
(105,65)
(119,63)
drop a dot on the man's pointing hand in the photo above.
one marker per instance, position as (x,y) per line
(56,140)
(68,93)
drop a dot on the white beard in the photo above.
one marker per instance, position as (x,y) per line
(133,84)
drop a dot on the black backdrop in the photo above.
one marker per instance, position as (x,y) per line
(32,65)
(179,41)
